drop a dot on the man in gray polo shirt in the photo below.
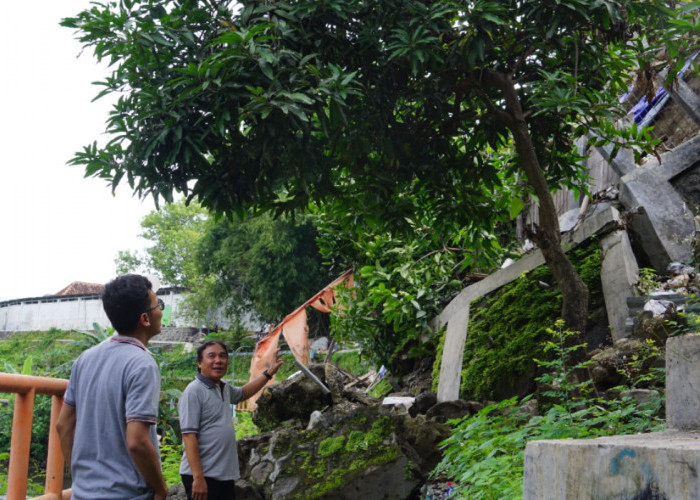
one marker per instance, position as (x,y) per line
(209,465)
(107,424)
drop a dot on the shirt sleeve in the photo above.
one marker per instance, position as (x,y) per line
(235,393)
(142,393)
(69,396)
(189,410)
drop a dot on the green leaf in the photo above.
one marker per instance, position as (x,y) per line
(266,69)
(27,366)
(516,206)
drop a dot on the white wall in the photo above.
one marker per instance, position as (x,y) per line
(70,312)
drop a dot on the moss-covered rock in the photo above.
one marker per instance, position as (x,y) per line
(362,453)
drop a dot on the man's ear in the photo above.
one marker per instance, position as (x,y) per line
(144,319)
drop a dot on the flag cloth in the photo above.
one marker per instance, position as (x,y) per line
(263,356)
(296,333)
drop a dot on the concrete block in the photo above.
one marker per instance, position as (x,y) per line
(679,159)
(683,383)
(603,219)
(452,356)
(670,219)
(619,273)
(658,466)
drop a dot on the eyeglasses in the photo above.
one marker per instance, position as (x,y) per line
(160,305)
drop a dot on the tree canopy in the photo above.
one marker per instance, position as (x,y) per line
(362,102)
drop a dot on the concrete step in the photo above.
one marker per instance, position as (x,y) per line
(651,466)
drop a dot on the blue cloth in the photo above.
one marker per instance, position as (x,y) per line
(110,385)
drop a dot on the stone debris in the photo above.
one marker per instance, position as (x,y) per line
(659,307)
(438,491)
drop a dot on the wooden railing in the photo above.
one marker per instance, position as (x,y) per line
(25,387)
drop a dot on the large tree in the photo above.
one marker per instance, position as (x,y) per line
(244,266)
(285,102)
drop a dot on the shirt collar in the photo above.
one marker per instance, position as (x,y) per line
(125,339)
(207,382)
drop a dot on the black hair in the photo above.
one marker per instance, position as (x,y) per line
(201,348)
(125,298)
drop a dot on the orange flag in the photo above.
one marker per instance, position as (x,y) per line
(263,356)
(296,333)
(324,301)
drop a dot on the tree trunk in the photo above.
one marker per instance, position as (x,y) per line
(574,291)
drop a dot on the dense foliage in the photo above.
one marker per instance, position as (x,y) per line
(405,274)
(278,104)
(282,102)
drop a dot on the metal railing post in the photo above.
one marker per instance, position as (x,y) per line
(25,388)
(54,457)
(19,445)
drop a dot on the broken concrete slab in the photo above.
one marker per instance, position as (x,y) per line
(671,220)
(619,274)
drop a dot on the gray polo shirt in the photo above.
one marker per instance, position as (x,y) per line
(205,409)
(111,384)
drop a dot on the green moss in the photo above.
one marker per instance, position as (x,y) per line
(381,389)
(332,482)
(264,424)
(330,446)
(358,419)
(381,429)
(282,445)
(310,468)
(391,453)
(325,466)
(356,442)
(342,473)
(441,334)
(507,328)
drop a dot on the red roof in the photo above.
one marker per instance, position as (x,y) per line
(81,288)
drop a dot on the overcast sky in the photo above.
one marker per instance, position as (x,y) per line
(56,227)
